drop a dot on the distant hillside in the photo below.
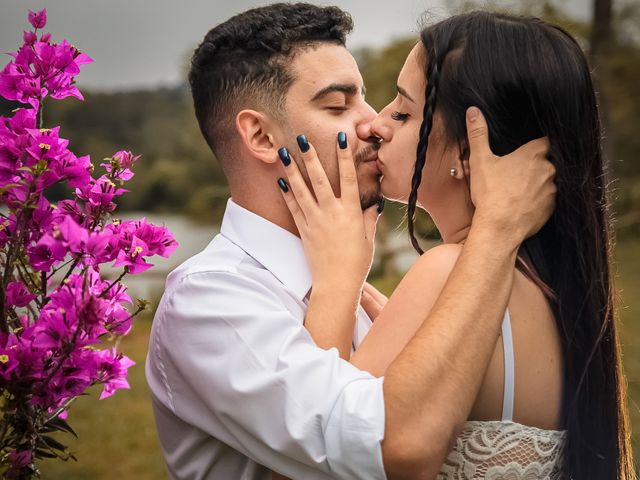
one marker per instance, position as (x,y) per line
(177,171)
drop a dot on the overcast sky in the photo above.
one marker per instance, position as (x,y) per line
(145,43)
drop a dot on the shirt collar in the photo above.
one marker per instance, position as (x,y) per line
(278,250)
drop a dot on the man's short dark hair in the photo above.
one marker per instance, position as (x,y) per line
(244,62)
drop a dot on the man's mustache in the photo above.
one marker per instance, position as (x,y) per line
(367,152)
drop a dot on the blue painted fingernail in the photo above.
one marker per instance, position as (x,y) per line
(303,143)
(283,153)
(283,185)
(380,205)
(342,140)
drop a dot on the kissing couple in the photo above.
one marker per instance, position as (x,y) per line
(497,355)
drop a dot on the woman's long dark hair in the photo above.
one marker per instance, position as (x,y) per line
(531,79)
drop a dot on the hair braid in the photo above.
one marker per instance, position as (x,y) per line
(433,71)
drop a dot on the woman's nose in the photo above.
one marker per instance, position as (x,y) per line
(379,128)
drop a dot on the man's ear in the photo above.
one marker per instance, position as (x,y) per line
(257,135)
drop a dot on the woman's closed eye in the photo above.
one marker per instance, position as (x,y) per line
(400,117)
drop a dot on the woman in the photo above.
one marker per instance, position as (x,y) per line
(552,403)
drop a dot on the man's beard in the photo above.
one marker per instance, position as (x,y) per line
(372,197)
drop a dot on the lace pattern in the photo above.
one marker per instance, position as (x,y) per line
(505,451)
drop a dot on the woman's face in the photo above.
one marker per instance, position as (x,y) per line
(398,125)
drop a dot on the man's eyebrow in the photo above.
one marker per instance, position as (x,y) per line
(404,93)
(349,89)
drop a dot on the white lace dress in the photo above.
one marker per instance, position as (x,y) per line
(504,450)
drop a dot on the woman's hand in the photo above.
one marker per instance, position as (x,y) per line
(338,240)
(338,237)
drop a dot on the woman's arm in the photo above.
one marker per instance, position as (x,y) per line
(407,308)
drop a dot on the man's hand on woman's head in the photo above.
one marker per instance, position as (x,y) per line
(514,193)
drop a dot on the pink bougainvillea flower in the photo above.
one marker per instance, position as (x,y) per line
(9,164)
(29,357)
(46,252)
(113,371)
(46,144)
(38,19)
(8,360)
(133,258)
(125,159)
(120,164)
(18,86)
(53,329)
(69,381)
(17,295)
(18,459)
(120,320)
(42,218)
(75,170)
(74,236)
(16,196)
(71,208)
(158,240)
(63,87)
(98,248)
(100,193)
(23,119)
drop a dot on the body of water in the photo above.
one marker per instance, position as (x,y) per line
(193,237)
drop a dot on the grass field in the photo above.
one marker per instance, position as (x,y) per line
(118,439)
(628,263)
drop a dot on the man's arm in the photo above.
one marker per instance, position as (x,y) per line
(513,198)
(228,356)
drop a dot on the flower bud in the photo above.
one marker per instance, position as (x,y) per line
(38,19)
(29,38)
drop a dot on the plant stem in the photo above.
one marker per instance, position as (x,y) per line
(104,292)
(40,112)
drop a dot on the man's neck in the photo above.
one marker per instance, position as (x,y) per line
(274,210)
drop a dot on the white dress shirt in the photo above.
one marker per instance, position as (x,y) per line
(238,385)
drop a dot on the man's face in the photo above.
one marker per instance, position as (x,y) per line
(326,97)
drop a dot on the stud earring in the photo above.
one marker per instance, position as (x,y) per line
(453,172)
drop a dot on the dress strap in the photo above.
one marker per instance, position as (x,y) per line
(509,373)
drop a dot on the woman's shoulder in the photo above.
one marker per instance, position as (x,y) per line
(438,260)
(431,270)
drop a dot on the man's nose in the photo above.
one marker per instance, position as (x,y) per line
(363,129)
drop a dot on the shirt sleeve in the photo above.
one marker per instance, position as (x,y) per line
(241,367)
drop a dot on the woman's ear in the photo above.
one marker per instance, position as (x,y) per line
(257,135)
(464,157)
(465,168)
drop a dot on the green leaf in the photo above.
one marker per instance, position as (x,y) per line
(44,454)
(61,425)
(52,443)
(8,186)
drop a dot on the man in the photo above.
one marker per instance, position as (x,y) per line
(238,386)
